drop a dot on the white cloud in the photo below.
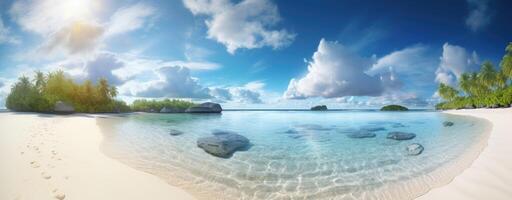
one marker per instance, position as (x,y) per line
(78,37)
(72,26)
(455,60)
(172,82)
(248,24)
(335,72)
(249,93)
(479,14)
(129,18)
(6,36)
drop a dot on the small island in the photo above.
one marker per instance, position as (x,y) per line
(319,108)
(394,108)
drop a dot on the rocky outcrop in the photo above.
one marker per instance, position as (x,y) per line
(223,143)
(207,107)
(401,136)
(63,108)
(319,108)
(414,149)
(448,124)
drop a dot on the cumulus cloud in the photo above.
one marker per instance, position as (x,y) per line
(129,18)
(221,94)
(5,35)
(479,14)
(102,67)
(172,82)
(248,24)
(335,71)
(455,60)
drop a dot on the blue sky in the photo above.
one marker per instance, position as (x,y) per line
(257,53)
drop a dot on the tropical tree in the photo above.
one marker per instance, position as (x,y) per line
(447,92)
(487,75)
(506,62)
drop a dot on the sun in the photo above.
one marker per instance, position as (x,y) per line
(78,9)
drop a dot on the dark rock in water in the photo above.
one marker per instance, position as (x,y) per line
(295,136)
(175,132)
(401,136)
(222,132)
(397,125)
(448,123)
(361,134)
(223,144)
(63,108)
(291,131)
(373,128)
(319,108)
(414,149)
(207,107)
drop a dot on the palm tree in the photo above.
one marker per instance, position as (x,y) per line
(487,75)
(465,84)
(446,92)
(506,62)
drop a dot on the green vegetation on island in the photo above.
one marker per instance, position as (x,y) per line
(44,91)
(488,88)
(167,105)
(394,108)
(319,108)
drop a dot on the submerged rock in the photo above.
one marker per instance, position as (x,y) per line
(223,144)
(448,123)
(414,149)
(401,135)
(175,132)
(207,107)
(373,128)
(361,134)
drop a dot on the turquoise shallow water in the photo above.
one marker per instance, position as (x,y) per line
(298,154)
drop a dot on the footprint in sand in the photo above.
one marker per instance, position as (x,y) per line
(59,195)
(34,164)
(45,175)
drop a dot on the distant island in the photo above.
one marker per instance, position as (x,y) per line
(56,93)
(488,88)
(394,108)
(319,108)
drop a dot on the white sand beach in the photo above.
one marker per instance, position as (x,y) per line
(58,157)
(490,175)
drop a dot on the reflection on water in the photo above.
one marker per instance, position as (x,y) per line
(295,155)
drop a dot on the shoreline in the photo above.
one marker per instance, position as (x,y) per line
(58,154)
(490,174)
(58,157)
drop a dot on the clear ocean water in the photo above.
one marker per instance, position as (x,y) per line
(298,154)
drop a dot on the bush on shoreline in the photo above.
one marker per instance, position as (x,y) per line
(41,94)
(488,88)
(143,105)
